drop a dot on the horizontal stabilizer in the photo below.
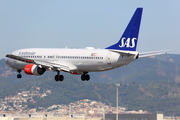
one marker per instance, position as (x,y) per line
(147,54)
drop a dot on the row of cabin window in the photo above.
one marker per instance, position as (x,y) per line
(31,56)
(63,57)
(78,57)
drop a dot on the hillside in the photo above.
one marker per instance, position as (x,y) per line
(5,71)
(144,70)
(150,84)
(149,97)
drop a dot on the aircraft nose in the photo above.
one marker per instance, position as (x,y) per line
(8,61)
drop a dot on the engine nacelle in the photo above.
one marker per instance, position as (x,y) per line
(32,69)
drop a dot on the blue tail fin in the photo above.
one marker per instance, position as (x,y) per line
(128,40)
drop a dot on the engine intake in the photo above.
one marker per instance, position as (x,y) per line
(32,69)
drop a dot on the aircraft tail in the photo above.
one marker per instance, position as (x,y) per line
(129,39)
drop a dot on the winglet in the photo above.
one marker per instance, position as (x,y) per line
(128,40)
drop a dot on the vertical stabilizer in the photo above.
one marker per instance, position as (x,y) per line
(129,39)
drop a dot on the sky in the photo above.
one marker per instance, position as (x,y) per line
(86,23)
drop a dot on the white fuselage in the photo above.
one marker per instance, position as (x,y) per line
(77,60)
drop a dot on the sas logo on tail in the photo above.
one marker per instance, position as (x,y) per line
(129,43)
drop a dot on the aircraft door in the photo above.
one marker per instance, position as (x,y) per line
(54,58)
(108,58)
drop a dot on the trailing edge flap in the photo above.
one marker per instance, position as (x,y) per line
(50,66)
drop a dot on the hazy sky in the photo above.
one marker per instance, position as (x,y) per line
(86,23)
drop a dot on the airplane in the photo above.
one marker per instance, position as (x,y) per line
(35,61)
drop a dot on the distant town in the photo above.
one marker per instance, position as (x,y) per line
(17,104)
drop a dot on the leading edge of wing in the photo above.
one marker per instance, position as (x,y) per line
(20,58)
(147,54)
(47,65)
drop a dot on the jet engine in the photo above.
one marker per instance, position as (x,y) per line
(32,69)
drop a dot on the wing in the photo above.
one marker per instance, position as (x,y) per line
(20,58)
(147,54)
(52,66)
